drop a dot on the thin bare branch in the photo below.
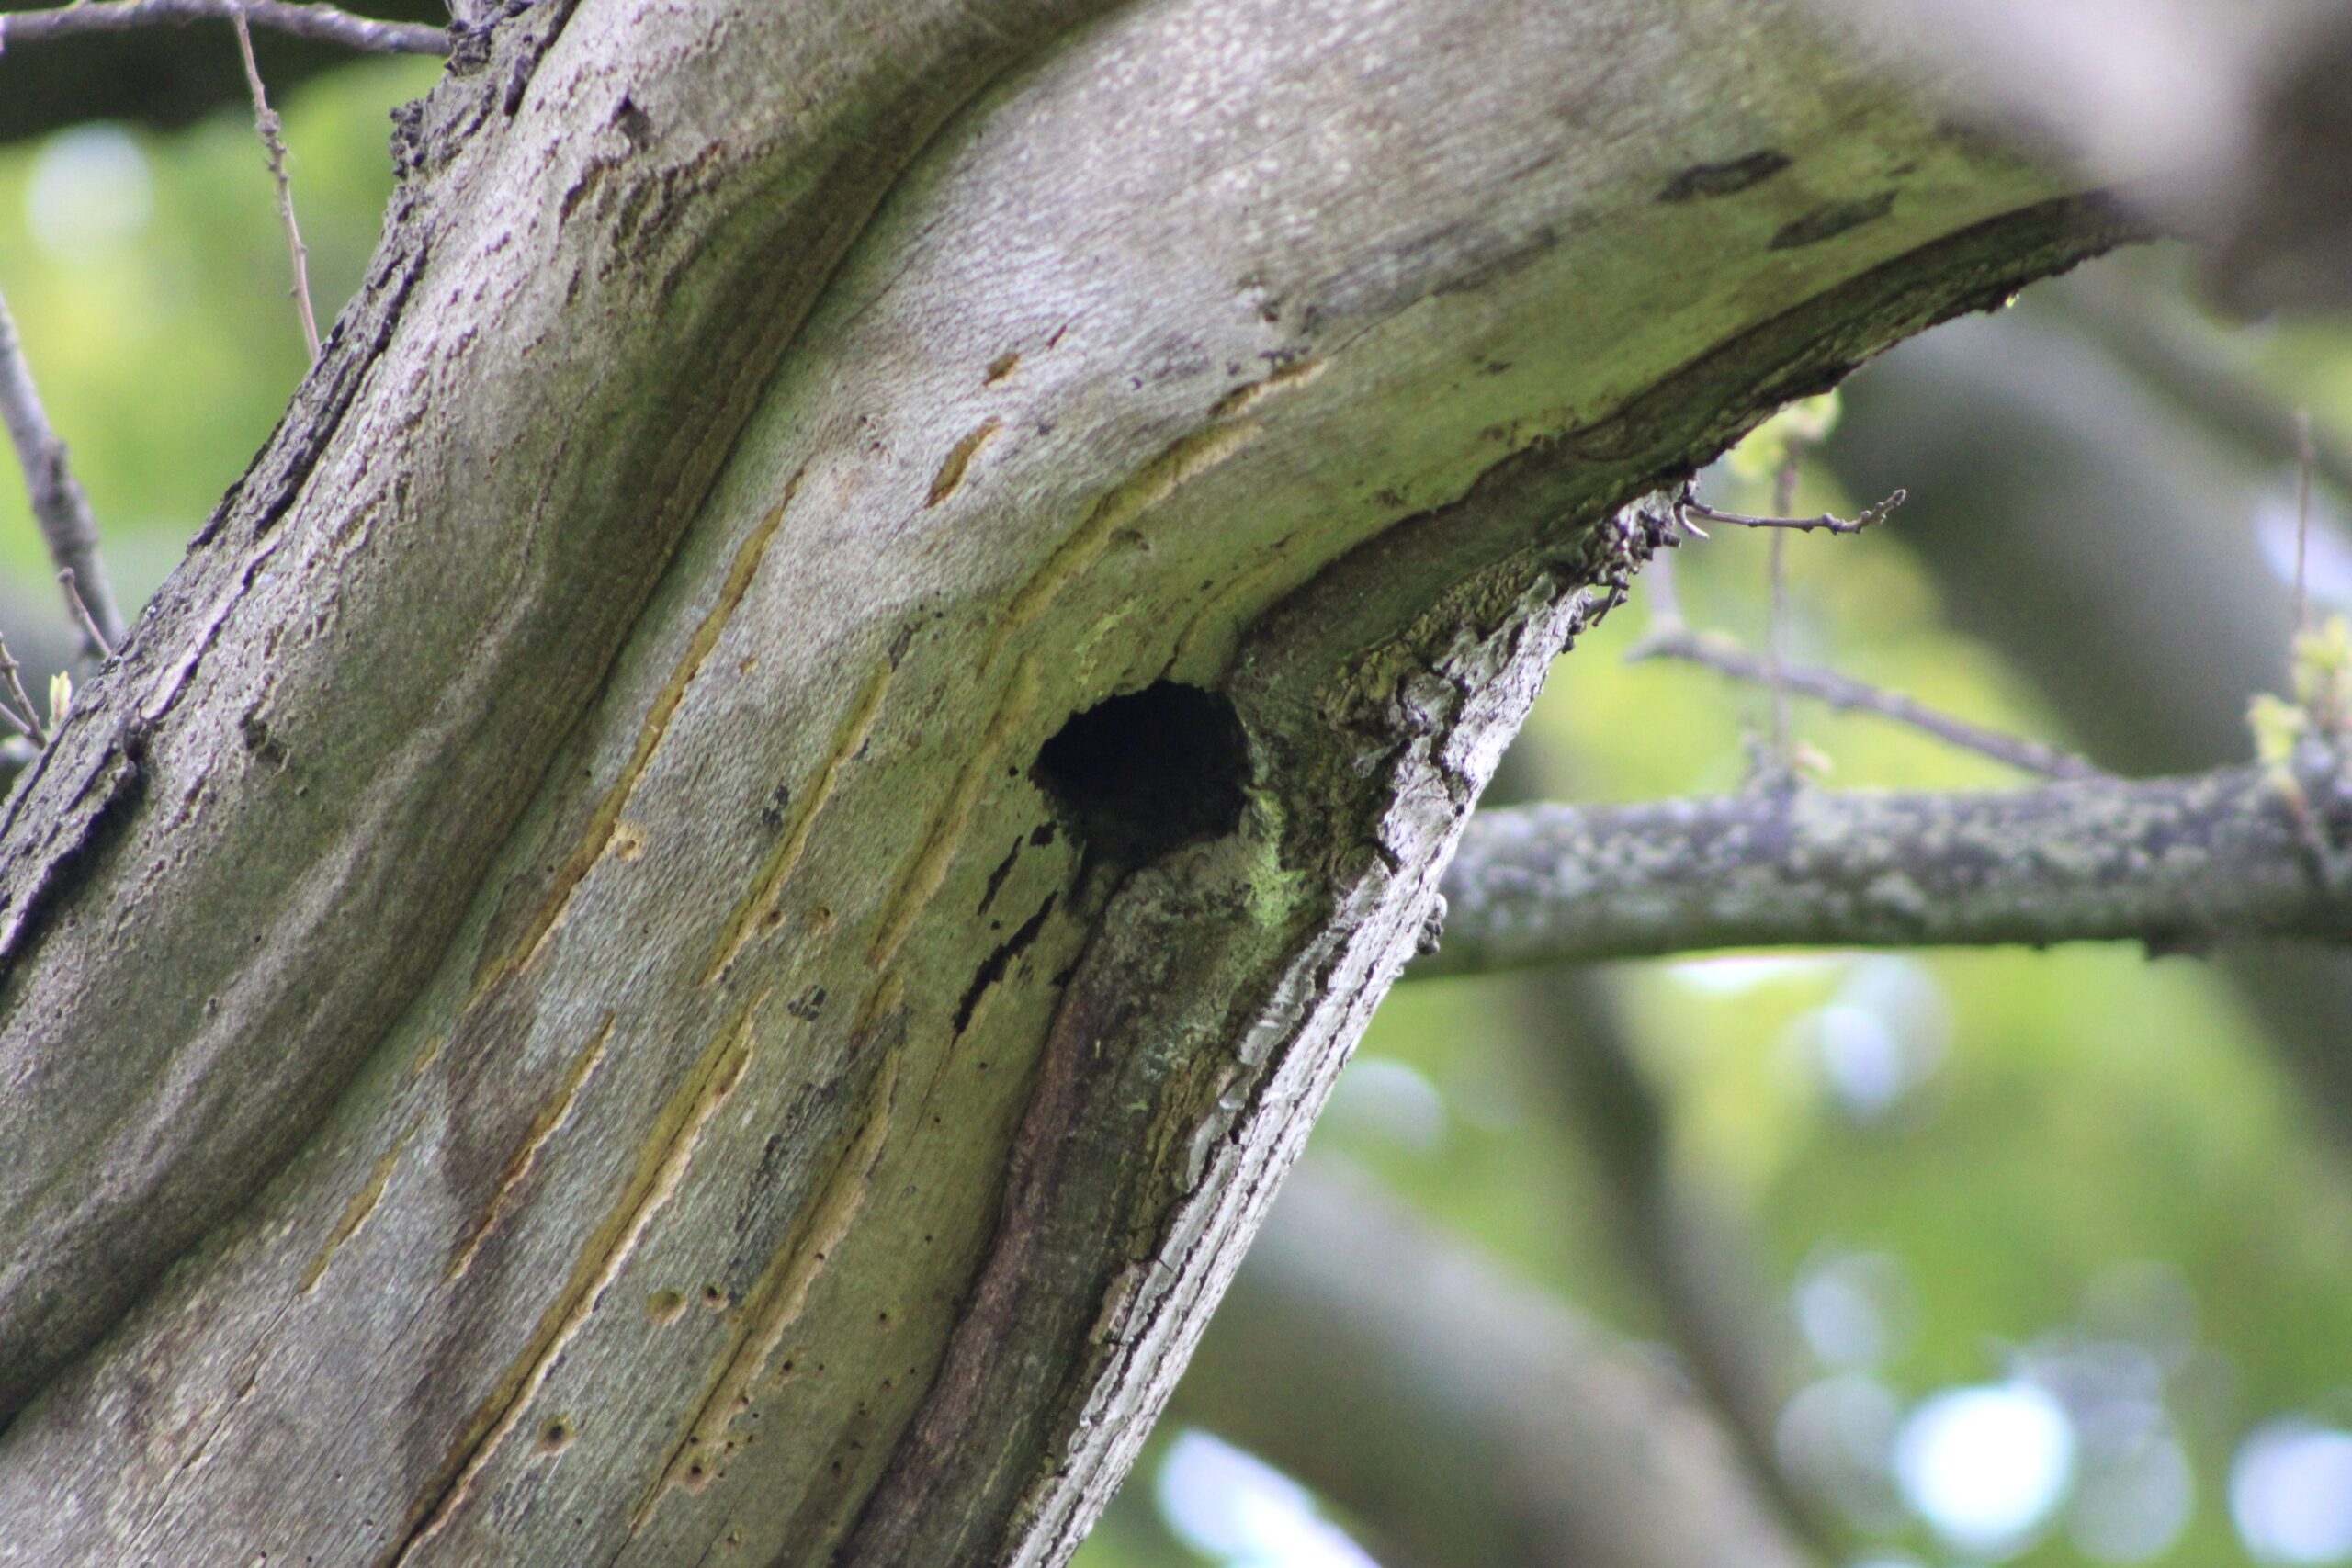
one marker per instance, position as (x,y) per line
(323,23)
(59,504)
(1687,508)
(92,635)
(273,143)
(2182,863)
(16,708)
(1776,634)
(1842,692)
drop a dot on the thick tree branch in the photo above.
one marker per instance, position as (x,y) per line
(696,925)
(2182,862)
(320,23)
(463,292)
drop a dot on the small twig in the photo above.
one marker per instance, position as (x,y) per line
(59,504)
(267,124)
(92,636)
(323,23)
(23,717)
(1688,507)
(1776,629)
(1842,692)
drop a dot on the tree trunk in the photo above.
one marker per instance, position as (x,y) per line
(706,916)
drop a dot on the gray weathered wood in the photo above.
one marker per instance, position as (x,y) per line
(553,933)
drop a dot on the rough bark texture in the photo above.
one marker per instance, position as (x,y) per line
(564,934)
(2240,853)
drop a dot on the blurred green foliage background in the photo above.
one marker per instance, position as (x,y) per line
(148,276)
(2081,1177)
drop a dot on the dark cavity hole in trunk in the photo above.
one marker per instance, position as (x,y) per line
(1139,776)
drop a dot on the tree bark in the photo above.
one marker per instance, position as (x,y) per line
(706,916)
(2179,863)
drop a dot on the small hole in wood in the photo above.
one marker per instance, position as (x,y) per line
(1139,776)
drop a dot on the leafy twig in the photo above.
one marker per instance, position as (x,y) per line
(59,504)
(323,24)
(266,123)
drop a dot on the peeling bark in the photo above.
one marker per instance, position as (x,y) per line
(562,1006)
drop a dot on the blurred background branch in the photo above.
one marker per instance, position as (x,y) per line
(60,507)
(1698,1268)
(157,77)
(1466,1419)
(1830,688)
